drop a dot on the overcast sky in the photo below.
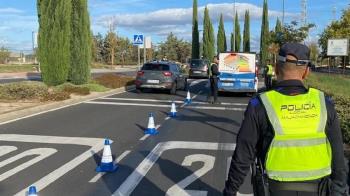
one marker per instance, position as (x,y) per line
(157,18)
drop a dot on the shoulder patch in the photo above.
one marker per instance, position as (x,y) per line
(255,101)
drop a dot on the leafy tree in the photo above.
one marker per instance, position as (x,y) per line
(246,33)
(54,40)
(195,32)
(314,52)
(97,48)
(221,37)
(238,34)
(264,38)
(4,55)
(337,29)
(80,43)
(208,37)
(175,49)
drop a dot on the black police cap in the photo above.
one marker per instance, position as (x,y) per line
(299,51)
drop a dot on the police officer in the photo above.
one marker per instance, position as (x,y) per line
(294,133)
(269,73)
(213,72)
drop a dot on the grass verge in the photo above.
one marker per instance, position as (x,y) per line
(17,68)
(336,86)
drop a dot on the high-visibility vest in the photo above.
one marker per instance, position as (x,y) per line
(300,149)
(270,71)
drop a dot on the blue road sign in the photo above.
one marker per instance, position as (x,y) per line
(138,39)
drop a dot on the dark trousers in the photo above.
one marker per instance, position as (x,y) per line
(213,88)
(268,81)
(318,188)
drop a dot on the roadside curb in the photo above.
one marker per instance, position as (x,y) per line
(36,110)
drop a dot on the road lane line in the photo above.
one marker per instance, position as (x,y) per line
(117,160)
(41,152)
(167,118)
(216,108)
(143,168)
(95,144)
(7,149)
(228,164)
(127,104)
(147,135)
(142,100)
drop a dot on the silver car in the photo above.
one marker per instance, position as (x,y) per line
(161,75)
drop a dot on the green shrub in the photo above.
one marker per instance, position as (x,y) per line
(94,87)
(114,81)
(73,89)
(335,86)
(23,90)
(56,96)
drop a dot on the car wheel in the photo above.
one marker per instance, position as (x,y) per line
(173,89)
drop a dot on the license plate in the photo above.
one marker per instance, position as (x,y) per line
(153,81)
(197,72)
(227,84)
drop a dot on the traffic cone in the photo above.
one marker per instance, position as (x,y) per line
(151,129)
(107,164)
(32,191)
(173,110)
(188,99)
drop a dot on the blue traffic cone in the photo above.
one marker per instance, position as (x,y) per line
(188,99)
(32,191)
(107,164)
(173,110)
(151,129)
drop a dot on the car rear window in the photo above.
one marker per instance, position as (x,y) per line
(155,67)
(197,63)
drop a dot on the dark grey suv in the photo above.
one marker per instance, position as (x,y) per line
(161,75)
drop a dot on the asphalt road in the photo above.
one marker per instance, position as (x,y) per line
(58,151)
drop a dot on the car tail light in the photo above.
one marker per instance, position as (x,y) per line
(167,73)
(140,73)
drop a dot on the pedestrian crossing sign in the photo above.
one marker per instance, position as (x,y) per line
(138,39)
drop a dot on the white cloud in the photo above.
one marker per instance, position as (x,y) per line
(10,11)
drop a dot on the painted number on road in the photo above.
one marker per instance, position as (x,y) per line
(179,188)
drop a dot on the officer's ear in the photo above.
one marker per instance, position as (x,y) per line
(306,72)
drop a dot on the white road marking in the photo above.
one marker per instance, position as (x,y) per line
(147,135)
(7,149)
(195,82)
(43,112)
(142,100)
(228,166)
(42,152)
(216,108)
(117,160)
(127,104)
(167,118)
(137,175)
(179,188)
(96,145)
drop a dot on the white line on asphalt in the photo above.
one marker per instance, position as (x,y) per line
(147,135)
(142,169)
(117,160)
(127,104)
(195,82)
(41,152)
(228,164)
(96,145)
(167,118)
(169,101)
(195,96)
(166,106)
(51,110)
(143,100)
(7,149)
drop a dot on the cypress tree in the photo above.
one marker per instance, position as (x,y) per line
(221,37)
(246,33)
(80,43)
(238,34)
(208,37)
(195,32)
(264,38)
(278,27)
(54,40)
(232,42)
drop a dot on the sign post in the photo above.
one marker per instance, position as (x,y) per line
(138,41)
(338,47)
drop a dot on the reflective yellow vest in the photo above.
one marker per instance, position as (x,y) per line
(300,149)
(270,72)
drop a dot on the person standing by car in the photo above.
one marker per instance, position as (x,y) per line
(213,73)
(292,136)
(269,73)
